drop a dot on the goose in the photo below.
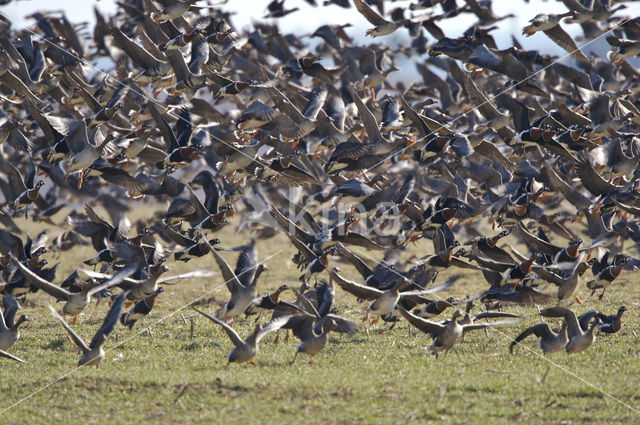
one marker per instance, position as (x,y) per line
(551,341)
(272,301)
(9,332)
(566,283)
(246,350)
(550,25)
(609,324)
(384,301)
(75,302)
(241,283)
(381,25)
(93,354)
(579,340)
(446,334)
(315,343)
(140,309)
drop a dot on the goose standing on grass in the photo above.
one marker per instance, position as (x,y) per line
(9,333)
(604,274)
(609,324)
(246,350)
(93,354)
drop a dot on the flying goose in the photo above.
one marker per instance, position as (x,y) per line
(246,350)
(75,302)
(93,354)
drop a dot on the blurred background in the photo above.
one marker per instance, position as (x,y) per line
(305,20)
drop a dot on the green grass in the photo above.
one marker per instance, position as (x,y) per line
(165,375)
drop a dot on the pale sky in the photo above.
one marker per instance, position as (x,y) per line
(308,18)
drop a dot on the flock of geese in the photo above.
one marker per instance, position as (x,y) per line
(487,153)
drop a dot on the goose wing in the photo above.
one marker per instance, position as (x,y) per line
(166,131)
(359,290)
(287,226)
(362,267)
(536,244)
(285,105)
(230,278)
(51,289)
(564,40)
(426,326)
(10,356)
(201,210)
(306,304)
(442,287)
(369,14)
(495,314)
(591,180)
(247,264)
(476,326)
(178,238)
(136,52)
(342,325)
(541,330)
(74,336)
(272,326)
(573,326)
(110,320)
(574,197)
(368,120)
(115,279)
(233,336)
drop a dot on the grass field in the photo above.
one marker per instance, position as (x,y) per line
(165,372)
